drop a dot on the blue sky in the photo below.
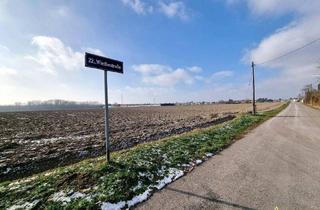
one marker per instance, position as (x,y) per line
(172,50)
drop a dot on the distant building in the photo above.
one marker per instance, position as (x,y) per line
(167,104)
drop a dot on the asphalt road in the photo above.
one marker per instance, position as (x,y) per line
(275,165)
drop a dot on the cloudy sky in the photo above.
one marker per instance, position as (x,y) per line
(172,50)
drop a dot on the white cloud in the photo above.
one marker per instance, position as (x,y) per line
(170,79)
(151,68)
(170,94)
(174,9)
(222,74)
(287,39)
(222,92)
(94,51)
(4,48)
(48,71)
(216,76)
(141,94)
(170,9)
(287,84)
(279,7)
(271,7)
(138,6)
(162,75)
(296,69)
(195,69)
(52,55)
(5,71)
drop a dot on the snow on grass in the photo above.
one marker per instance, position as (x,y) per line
(138,186)
(7,170)
(62,197)
(198,162)
(60,138)
(113,206)
(77,195)
(139,198)
(173,174)
(187,166)
(209,154)
(26,205)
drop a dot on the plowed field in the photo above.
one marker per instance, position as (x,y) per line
(31,142)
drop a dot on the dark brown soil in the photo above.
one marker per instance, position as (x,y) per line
(32,142)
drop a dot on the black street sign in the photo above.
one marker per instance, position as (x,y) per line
(106,64)
(103,63)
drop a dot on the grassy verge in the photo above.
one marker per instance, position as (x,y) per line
(132,175)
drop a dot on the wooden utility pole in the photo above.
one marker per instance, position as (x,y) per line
(254,111)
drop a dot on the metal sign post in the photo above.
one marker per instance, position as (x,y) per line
(105,64)
(106,115)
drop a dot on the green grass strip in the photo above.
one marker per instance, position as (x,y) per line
(87,184)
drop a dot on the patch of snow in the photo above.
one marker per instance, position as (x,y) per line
(23,118)
(209,154)
(54,139)
(89,198)
(26,205)
(113,206)
(62,197)
(138,186)
(198,162)
(142,174)
(139,198)
(147,174)
(178,174)
(77,195)
(83,153)
(173,175)
(7,170)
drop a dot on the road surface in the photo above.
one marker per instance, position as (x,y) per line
(275,165)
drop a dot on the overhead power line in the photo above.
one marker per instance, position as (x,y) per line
(290,52)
